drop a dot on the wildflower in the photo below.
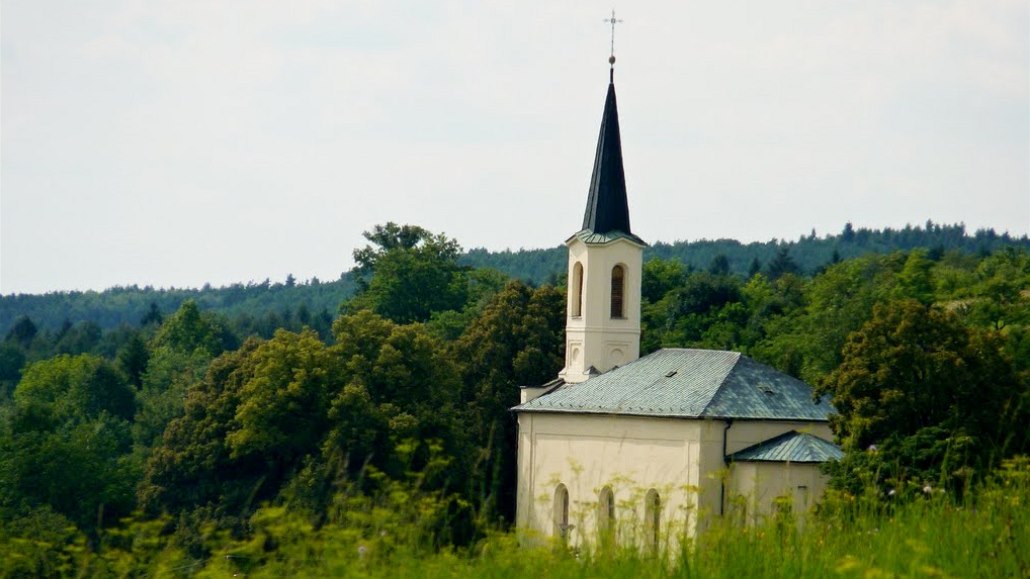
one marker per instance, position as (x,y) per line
(927,489)
(891,493)
(362,550)
(872,448)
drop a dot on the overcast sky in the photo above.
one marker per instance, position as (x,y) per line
(178,142)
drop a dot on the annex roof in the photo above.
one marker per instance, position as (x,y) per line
(790,446)
(689,383)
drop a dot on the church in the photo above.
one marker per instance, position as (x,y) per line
(644,449)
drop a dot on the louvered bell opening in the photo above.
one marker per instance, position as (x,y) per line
(618,281)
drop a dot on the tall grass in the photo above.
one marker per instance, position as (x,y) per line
(986,534)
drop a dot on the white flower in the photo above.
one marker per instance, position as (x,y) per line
(927,489)
(362,550)
(891,493)
(872,448)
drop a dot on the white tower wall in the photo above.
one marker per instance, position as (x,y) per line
(594,338)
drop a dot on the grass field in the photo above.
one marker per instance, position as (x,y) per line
(986,534)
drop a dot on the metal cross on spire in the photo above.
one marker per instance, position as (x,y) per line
(613,22)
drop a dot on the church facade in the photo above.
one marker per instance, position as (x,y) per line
(642,449)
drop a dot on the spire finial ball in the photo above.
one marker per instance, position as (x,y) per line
(611,59)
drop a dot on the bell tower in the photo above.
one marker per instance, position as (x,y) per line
(602,328)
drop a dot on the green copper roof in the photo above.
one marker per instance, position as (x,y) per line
(688,383)
(790,447)
(592,237)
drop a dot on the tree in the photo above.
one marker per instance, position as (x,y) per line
(71,388)
(720,265)
(782,263)
(168,375)
(517,340)
(754,269)
(392,237)
(188,329)
(192,466)
(153,316)
(288,405)
(660,276)
(284,399)
(914,280)
(685,314)
(132,359)
(937,400)
(414,273)
(848,234)
(23,331)
(833,305)
(66,443)
(11,362)
(80,338)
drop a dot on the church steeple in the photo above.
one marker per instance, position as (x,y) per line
(602,330)
(607,209)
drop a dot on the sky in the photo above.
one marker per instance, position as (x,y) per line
(182,142)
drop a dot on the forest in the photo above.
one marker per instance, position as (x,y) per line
(372,434)
(261,307)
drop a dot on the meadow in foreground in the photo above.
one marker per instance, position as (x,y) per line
(985,534)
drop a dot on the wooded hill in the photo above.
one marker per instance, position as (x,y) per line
(259,308)
(809,253)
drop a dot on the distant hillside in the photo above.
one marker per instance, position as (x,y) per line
(809,253)
(128,305)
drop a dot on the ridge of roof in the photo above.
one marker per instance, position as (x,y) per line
(704,411)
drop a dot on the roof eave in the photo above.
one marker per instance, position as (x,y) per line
(612,237)
(678,416)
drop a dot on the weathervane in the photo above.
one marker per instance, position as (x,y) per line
(613,22)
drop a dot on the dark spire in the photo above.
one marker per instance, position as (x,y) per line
(607,208)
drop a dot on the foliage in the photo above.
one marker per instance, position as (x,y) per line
(188,329)
(518,340)
(391,534)
(934,398)
(64,445)
(408,274)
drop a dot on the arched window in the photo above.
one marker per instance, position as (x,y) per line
(652,519)
(577,290)
(606,512)
(561,513)
(618,283)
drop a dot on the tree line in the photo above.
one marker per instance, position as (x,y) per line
(268,304)
(809,254)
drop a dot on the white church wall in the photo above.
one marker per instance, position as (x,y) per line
(681,459)
(527,393)
(586,452)
(742,434)
(745,433)
(761,489)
